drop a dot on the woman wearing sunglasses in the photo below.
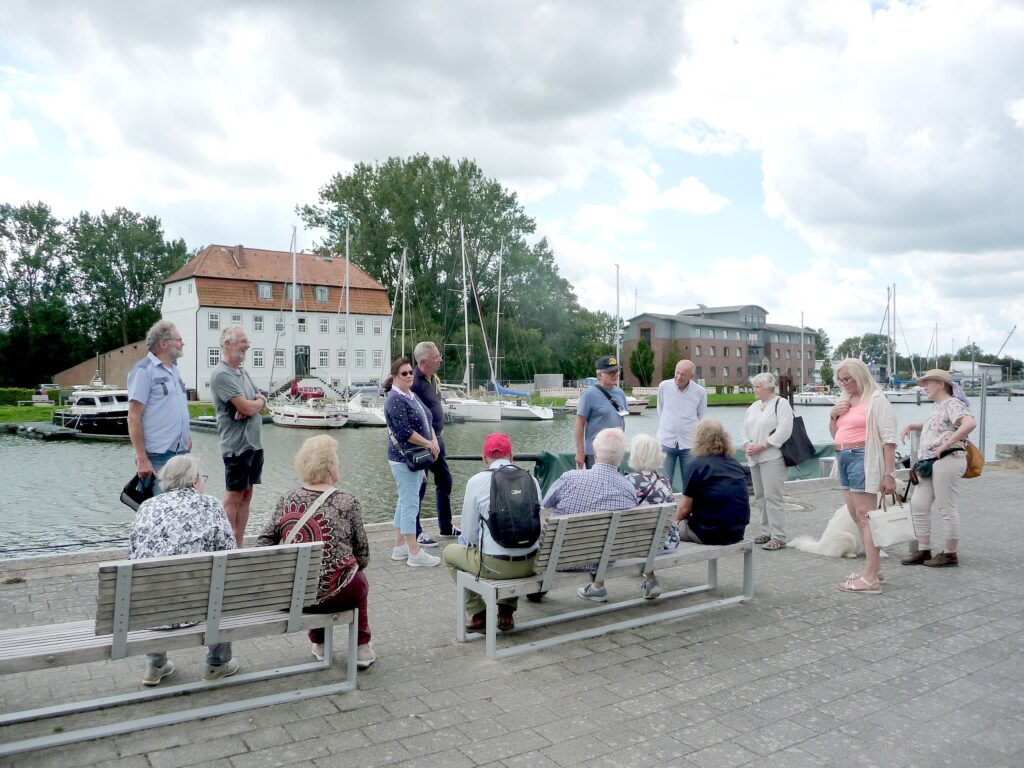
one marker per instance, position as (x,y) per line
(408,427)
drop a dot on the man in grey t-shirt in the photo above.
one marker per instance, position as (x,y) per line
(239,424)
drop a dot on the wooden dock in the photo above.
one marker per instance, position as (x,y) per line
(41,430)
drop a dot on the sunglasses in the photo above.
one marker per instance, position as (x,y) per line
(405,373)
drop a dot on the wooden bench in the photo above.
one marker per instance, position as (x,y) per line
(618,543)
(233,595)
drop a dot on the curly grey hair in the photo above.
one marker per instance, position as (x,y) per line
(161,330)
(180,472)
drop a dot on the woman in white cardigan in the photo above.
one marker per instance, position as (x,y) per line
(863,426)
(768,424)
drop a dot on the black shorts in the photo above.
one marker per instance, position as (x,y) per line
(243,471)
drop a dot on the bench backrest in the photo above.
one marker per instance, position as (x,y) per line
(140,594)
(601,537)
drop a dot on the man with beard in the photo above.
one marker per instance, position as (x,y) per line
(158,418)
(239,424)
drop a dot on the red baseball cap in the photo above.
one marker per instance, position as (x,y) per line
(497,446)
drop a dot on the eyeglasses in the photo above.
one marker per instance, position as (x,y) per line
(844,380)
(405,373)
(205,477)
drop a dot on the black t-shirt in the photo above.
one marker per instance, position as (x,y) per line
(721,505)
(429,394)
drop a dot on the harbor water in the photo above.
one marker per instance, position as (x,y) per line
(63,496)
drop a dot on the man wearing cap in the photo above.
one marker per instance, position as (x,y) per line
(476,551)
(601,406)
(682,402)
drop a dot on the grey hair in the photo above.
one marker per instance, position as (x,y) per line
(610,446)
(766,380)
(161,330)
(180,472)
(645,454)
(422,349)
(229,333)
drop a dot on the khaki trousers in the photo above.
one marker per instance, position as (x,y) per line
(459,558)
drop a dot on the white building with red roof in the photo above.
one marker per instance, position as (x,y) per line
(233,285)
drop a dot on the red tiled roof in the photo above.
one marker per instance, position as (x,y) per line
(226,276)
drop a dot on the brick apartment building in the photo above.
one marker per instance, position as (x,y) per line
(728,345)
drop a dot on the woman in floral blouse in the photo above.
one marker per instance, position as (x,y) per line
(646,458)
(337,522)
(942,440)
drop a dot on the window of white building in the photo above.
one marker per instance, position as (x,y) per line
(213,356)
(257,358)
(360,358)
(342,358)
(378,327)
(378,359)
(214,321)
(325,358)
(325,325)
(360,326)
(279,358)
(301,327)
(257,322)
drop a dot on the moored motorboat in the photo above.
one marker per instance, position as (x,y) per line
(363,414)
(912,396)
(95,412)
(814,398)
(318,413)
(520,410)
(468,409)
(636,405)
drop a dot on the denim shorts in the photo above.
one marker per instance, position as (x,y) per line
(851,469)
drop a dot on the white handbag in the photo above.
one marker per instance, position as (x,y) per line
(891,525)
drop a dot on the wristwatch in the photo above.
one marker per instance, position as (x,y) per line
(890,474)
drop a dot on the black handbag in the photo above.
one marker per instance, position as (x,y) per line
(798,448)
(417,458)
(136,491)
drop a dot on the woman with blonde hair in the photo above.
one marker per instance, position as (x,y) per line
(318,511)
(863,426)
(715,506)
(768,424)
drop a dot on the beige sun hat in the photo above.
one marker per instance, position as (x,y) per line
(936,374)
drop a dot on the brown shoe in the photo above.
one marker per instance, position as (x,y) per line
(505,621)
(942,560)
(477,623)
(917,558)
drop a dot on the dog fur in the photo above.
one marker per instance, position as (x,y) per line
(841,538)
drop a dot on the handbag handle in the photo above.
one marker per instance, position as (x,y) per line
(309,513)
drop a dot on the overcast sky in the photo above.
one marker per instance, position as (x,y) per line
(800,155)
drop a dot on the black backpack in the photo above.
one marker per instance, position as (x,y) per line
(514,517)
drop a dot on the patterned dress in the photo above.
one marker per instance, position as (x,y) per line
(179,522)
(651,487)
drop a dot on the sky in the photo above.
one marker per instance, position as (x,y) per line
(803,155)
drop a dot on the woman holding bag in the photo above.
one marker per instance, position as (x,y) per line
(318,511)
(768,424)
(943,447)
(863,426)
(408,429)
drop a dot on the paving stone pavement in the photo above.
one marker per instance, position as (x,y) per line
(927,674)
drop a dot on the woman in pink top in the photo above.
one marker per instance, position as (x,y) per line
(863,426)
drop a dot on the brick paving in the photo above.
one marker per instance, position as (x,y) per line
(927,674)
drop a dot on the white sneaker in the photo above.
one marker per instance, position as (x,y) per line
(365,656)
(154,675)
(423,559)
(318,650)
(226,669)
(400,553)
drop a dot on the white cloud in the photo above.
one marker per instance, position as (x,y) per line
(605,222)
(15,133)
(689,196)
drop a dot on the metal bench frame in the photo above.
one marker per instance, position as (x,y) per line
(553,546)
(83,644)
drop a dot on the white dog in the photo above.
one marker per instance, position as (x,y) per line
(841,537)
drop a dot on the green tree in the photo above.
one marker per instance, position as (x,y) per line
(641,362)
(120,260)
(668,365)
(822,345)
(871,348)
(827,375)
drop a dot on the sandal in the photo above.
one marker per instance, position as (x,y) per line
(852,576)
(774,544)
(860,584)
(762,539)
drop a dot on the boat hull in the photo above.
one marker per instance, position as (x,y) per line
(903,396)
(315,415)
(524,412)
(473,410)
(93,423)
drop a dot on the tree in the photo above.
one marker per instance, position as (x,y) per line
(668,365)
(827,376)
(641,362)
(822,345)
(871,348)
(120,260)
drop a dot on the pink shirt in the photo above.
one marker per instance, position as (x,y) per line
(852,426)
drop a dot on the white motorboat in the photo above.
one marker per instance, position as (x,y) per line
(467,409)
(572,402)
(364,414)
(636,405)
(814,398)
(911,396)
(317,413)
(95,412)
(524,411)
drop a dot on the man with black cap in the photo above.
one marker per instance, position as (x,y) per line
(602,406)
(477,551)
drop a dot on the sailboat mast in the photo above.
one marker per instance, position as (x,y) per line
(295,372)
(496,369)
(801,351)
(468,378)
(348,314)
(402,279)
(618,318)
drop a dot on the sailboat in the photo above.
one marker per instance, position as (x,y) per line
(304,411)
(362,413)
(460,405)
(893,393)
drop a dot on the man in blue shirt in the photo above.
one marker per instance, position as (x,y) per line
(158,418)
(476,551)
(602,406)
(427,388)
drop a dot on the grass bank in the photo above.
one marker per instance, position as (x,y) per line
(27,413)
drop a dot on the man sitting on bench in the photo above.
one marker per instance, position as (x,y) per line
(182,521)
(600,488)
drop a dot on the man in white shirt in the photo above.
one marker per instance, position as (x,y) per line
(682,402)
(477,551)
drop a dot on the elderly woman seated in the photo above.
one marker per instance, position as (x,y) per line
(182,521)
(318,511)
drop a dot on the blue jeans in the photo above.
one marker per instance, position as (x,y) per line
(159,460)
(216,655)
(408,506)
(668,468)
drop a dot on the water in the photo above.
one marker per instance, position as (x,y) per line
(66,493)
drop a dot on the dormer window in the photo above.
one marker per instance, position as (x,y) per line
(264,291)
(321,294)
(292,291)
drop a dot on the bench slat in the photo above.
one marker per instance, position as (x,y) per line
(166,593)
